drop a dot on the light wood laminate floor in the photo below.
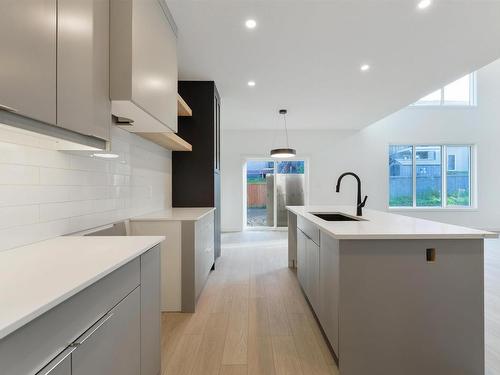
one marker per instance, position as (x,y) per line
(252,317)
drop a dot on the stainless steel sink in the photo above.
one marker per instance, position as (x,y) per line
(330,216)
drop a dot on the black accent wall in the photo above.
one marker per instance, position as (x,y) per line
(196,174)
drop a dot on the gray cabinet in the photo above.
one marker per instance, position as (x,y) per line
(328,313)
(313,274)
(143,66)
(112,345)
(150,313)
(61,365)
(111,327)
(204,251)
(308,267)
(318,274)
(83,103)
(28,58)
(301,258)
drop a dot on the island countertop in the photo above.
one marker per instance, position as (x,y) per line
(384,225)
(176,214)
(37,277)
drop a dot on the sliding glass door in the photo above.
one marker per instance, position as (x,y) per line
(270,187)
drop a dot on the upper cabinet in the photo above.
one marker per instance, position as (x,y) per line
(143,66)
(83,103)
(54,66)
(28,58)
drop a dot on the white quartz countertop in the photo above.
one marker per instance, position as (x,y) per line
(37,277)
(384,225)
(176,214)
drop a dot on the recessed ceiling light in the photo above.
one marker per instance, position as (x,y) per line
(251,83)
(105,155)
(424,4)
(250,24)
(365,67)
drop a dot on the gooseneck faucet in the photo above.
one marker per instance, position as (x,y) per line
(359,205)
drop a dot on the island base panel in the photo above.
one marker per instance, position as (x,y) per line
(403,314)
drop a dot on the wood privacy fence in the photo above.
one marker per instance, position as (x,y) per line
(256,195)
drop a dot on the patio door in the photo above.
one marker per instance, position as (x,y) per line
(270,187)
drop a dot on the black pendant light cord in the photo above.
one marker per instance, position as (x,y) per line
(283,112)
(286,131)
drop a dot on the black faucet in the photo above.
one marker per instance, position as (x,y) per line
(359,204)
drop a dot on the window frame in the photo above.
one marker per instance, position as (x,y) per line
(250,157)
(444,174)
(443,103)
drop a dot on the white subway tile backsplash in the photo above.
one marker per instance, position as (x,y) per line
(12,174)
(89,164)
(18,215)
(64,210)
(44,193)
(55,176)
(25,234)
(13,154)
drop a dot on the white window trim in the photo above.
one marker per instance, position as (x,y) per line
(442,103)
(444,163)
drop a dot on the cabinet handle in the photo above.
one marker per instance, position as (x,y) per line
(47,370)
(88,333)
(7,108)
(122,120)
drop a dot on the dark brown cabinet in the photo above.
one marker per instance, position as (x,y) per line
(196,174)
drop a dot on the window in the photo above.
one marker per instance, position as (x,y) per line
(451,163)
(430,176)
(462,92)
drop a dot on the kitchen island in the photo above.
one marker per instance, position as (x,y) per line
(393,294)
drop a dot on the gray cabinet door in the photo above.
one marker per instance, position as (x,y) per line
(154,56)
(28,58)
(143,65)
(329,289)
(313,274)
(301,259)
(83,103)
(61,365)
(112,346)
(150,312)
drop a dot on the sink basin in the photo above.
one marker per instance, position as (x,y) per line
(335,217)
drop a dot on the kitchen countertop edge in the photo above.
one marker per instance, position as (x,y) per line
(10,327)
(370,216)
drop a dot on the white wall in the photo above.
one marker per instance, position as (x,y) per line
(366,152)
(46,193)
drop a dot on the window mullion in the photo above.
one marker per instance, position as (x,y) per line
(414,174)
(472,175)
(444,169)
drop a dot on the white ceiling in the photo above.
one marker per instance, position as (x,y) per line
(305,55)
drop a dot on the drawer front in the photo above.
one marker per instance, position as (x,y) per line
(27,350)
(113,345)
(309,229)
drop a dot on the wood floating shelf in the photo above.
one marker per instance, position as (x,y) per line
(183,109)
(170,141)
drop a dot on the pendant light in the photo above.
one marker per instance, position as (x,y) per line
(284,152)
